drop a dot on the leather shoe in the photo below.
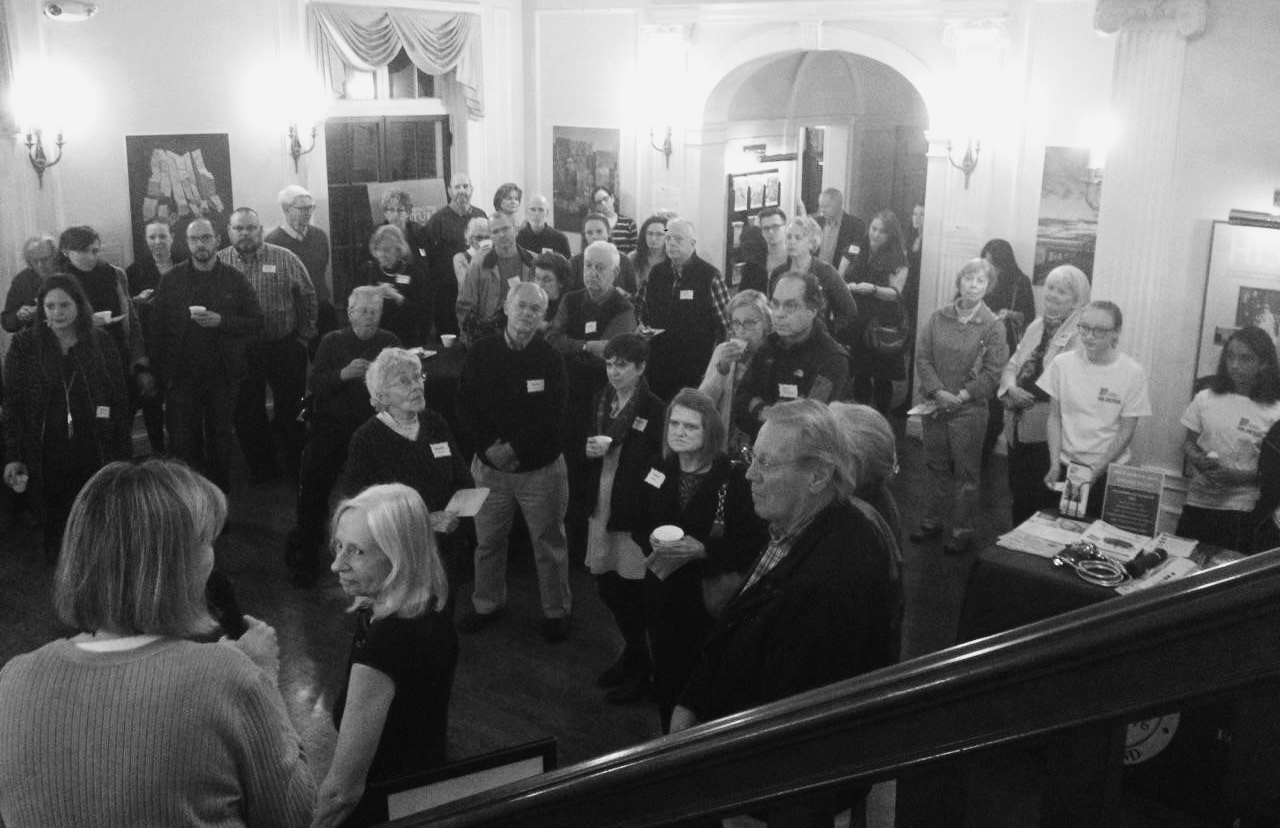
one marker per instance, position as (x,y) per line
(957,544)
(925,531)
(472,621)
(555,629)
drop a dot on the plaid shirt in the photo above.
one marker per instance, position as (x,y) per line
(719,300)
(284,290)
(779,547)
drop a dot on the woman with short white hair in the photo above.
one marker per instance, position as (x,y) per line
(393,710)
(803,239)
(1066,292)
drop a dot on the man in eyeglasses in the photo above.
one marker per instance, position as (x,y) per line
(310,244)
(203,314)
(798,359)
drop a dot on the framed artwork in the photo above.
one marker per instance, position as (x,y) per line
(755,192)
(1242,288)
(1068,226)
(772,191)
(582,159)
(178,178)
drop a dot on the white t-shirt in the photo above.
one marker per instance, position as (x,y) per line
(1093,399)
(1233,426)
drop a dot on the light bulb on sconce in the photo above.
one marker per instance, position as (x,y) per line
(295,144)
(36,155)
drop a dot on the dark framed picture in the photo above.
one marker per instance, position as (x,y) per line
(582,159)
(1068,226)
(178,178)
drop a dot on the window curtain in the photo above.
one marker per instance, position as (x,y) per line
(366,38)
(7,122)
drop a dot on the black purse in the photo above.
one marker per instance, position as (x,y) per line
(888,337)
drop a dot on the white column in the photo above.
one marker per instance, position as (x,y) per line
(1135,229)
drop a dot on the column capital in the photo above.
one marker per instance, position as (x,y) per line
(1187,17)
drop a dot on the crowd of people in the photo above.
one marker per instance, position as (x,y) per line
(718,459)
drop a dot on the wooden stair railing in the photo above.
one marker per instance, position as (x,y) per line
(1109,662)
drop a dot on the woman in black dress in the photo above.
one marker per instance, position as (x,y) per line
(878,278)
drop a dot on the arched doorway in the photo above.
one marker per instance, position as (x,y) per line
(778,129)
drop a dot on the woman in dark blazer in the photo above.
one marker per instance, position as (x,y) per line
(696,488)
(627,433)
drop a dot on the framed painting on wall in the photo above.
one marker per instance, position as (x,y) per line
(1068,226)
(1242,288)
(178,178)
(582,159)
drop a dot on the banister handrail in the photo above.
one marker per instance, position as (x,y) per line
(1213,631)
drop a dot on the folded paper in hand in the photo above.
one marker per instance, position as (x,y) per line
(466,502)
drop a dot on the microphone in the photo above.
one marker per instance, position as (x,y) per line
(1146,562)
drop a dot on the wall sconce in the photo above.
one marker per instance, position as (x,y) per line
(1093,188)
(970,161)
(295,145)
(665,149)
(35,154)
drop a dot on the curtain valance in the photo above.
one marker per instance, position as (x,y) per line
(368,38)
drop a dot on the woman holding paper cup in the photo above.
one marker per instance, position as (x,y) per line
(479,242)
(627,424)
(67,413)
(1226,424)
(1066,292)
(1097,395)
(406,442)
(702,532)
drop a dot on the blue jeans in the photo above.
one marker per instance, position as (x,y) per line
(543,495)
(953,456)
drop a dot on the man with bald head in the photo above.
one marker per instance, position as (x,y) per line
(685,296)
(511,396)
(279,357)
(203,313)
(537,236)
(446,233)
(843,234)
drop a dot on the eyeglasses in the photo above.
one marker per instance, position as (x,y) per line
(754,461)
(788,307)
(303,208)
(744,324)
(1090,330)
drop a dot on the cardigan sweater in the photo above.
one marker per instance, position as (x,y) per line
(171,733)
(639,441)
(517,397)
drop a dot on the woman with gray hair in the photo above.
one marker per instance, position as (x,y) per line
(803,240)
(406,442)
(1066,292)
(875,457)
(960,353)
(749,324)
(478,242)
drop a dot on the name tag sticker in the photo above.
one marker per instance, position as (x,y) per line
(788,391)
(655,478)
(854,250)
(440,450)
(402,278)
(422,251)
(103,412)
(268,268)
(547,250)
(639,423)
(686,294)
(512,282)
(590,327)
(536,386)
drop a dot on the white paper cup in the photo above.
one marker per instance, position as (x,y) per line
(668,534)
(20,483)
(196,309)
(603,441)
(447,340)
(103,316)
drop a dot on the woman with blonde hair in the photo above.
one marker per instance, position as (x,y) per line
(130,722)
(393,710)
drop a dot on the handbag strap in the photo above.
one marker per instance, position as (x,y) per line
(717,525)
